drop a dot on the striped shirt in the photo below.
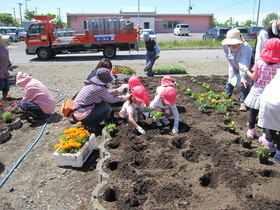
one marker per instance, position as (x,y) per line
(94,94)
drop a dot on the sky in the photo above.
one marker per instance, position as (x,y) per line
(239,10)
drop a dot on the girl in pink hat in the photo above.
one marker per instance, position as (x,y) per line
(135,82)
(166,81)
(262,73)
(134,106)
(165,102)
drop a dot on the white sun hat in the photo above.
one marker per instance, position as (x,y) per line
(233,37)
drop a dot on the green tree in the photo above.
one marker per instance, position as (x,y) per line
(28,15)
(6,19)
(249,23)
(270,17)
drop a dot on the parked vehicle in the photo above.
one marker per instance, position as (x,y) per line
(216,34)
(46,39)
(6,30)
(182,29)
(244,31)
(21,33)
(253,32)
(151,33)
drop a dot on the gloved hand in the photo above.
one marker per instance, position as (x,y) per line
(175,130)
(10,67)
(157,56)
(122,87)
(141,130)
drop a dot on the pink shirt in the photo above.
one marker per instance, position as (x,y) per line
(265,75)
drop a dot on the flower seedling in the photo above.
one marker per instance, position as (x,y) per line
(148,109)
(188,91)
(112,127)
(263,152)
(201,102)
(232,126)
(156,115)
(227,117)
(206,86)
(177,84)
(246,142)
(7,117)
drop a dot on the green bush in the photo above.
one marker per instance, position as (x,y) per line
(169,70)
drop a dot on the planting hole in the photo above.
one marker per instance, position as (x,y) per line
(205,180)
(110,195)
(113,165)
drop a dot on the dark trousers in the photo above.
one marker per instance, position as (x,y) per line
(253,114)
(5,86)
(33,110)
(243,93)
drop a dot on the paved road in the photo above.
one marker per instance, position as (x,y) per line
(18,56)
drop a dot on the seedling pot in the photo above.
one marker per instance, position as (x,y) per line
(263,159)
(246,144)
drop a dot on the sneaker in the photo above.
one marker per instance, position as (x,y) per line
(243,108)
(158,123)
(165,121)
(271,148)
(250,134)
(277,157)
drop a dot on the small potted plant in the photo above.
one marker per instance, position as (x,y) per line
(156,115)
(227,119)
(112,129)
(7,117)
(232,127)
(147,111)
(263,154)
(246,142)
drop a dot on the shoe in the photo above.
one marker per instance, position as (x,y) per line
(158,123)
(271,148)
(277,157)
(250,134)
(165,121)
(72,121)
(243,108)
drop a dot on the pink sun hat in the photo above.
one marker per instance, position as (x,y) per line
(140,94)
(271,51)
(169,95)
(134,81)
(167,81)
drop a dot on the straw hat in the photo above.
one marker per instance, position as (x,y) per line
(233,37)
(3,40)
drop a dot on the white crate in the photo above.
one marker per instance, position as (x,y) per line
(77,159)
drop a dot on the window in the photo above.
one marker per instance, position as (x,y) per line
(36,30)
(72,18)
(146,25)
(171,24)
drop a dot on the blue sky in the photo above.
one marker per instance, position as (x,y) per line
(240,10)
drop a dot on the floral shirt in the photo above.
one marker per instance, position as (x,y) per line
(265,75)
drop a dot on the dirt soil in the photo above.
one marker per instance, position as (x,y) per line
(203,167)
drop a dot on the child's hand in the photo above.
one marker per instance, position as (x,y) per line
(141,130)
(122,87)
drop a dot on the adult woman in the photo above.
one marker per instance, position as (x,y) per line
(91,106)
(238,54)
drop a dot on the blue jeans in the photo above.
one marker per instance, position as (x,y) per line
(150,60)
(99,113)
(243,93)
(5,86)
(33,110)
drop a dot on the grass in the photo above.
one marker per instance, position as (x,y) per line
(191,44)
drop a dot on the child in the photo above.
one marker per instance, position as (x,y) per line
(263,72)
(37,102)
(135,82)
(166,81)
(134,107)
(165,101)
(269,116)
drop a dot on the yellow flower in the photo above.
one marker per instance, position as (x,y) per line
(202,94)
(202,99)
(213,100)
(224,100)
(223,93)
(211,91)
(229,99)
(79,123)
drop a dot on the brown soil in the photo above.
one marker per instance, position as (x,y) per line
(203,167)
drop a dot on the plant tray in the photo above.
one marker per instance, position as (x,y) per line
(77,159)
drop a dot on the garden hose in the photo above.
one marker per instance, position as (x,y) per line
(34,143)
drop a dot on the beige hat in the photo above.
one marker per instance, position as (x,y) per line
(233,37)
(3,40)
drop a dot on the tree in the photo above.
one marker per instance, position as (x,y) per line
(270,17)
(28,15)
(6,19)
(248,23)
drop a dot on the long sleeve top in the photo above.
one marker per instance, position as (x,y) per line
(4,62)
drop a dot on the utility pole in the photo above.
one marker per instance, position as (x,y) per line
(35,10)
(139,12)
(26,4)
(190,7)
(59,13)
(14,13)
(258,13)
(20,4)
